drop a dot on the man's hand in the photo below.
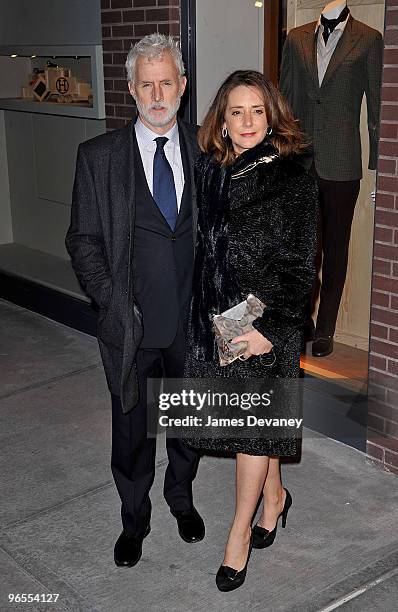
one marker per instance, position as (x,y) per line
(257,344)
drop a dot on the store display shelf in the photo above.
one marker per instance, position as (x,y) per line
(48,108)
(18,62)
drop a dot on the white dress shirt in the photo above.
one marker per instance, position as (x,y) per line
(147,146)
(325,52)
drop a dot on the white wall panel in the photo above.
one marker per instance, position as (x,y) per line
(229,36)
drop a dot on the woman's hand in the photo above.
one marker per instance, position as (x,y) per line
(257,344)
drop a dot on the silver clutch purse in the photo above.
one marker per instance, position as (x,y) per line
(235,322)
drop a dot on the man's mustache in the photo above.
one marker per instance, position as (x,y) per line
(158,106)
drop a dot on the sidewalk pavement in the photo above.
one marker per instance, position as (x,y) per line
(59,508)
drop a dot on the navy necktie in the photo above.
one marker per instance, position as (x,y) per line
(164,191)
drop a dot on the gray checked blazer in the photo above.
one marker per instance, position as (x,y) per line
(330,114)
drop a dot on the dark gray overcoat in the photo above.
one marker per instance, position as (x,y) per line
(100,243)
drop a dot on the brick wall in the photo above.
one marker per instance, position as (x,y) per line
(382,445)
(125,22)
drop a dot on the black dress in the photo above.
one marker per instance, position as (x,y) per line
(269,217)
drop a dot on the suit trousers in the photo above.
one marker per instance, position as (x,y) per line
(133,452)
(337,201)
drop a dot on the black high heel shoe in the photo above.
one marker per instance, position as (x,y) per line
(262,538)
(228,578)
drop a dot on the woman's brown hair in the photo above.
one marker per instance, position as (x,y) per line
(286,135)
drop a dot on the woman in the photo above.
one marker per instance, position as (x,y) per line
(256,234)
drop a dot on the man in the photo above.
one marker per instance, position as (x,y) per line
(131,240)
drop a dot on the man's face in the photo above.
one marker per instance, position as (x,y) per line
(157,90)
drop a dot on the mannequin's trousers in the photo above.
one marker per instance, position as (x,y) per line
(337,201)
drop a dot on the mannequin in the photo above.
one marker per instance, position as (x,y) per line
(327,66)
(333,9)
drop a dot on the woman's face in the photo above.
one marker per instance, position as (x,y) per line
(245,118)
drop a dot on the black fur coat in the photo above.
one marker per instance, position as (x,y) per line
(256,234)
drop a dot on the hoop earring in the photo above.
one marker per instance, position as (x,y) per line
(224,132)
(269,130)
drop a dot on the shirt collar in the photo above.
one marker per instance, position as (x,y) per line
(147,136)
(340,26)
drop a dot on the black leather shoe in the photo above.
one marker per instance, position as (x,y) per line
(228,578)
(128,549)
(262,538)
(190,525)
(322,346)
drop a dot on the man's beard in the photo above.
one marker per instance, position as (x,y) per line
(152,118)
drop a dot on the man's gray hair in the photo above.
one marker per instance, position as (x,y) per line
(153,46)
